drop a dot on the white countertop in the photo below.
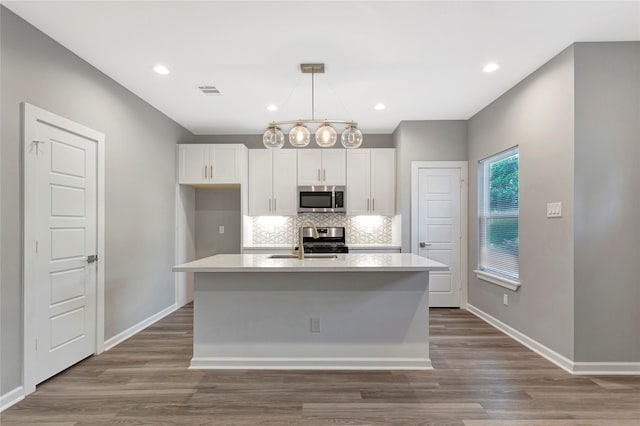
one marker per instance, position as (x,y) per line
(375,262)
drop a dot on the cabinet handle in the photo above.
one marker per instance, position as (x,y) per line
(367,204)
(373,204)
(211,171)
(269,205)
(319,179)
(275,208)
(324,175)
(205,172)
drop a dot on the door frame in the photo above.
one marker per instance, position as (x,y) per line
(31,114)
(464,198)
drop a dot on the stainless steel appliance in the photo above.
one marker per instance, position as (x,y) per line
(330,240)
(321,199)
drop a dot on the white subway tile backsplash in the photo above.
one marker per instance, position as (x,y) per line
(284,229)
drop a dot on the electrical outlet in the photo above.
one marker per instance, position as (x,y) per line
(315,325)
(554,209)
(221,229)
(505,299)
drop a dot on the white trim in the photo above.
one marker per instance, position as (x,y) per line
(10,398)
(575,368)
(30,115)
(497,280)
(136,328)
(553,356)
(237,363)
(464,198)
(606,368)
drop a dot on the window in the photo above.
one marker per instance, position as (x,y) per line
(498,255)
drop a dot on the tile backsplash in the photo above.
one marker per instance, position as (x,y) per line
(284,229)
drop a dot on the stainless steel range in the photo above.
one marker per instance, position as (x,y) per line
(330,240)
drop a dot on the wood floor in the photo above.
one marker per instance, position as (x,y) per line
(481,378)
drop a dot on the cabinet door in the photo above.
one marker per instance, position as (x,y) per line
(226,162)
(334,167)
(260,188)
(383,181)
(285,186)
(309,167)
(358,181)
(193,163)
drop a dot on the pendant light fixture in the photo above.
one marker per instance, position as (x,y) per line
(300,136)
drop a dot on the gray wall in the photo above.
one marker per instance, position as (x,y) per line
(537,114)
(255,141)
(216,207)
(607,202)
(423,141)
(140,186)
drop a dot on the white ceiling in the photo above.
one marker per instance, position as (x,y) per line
(422,59)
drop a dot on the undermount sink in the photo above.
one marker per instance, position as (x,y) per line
(306,256)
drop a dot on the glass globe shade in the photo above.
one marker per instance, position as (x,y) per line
(351,137)
(273,138)
(326,136)
(299,136)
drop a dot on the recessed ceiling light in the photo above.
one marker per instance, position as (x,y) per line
(161,69)
(379,107)
(272,107)
(490,67)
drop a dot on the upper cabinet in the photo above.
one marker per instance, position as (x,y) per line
(272,182)
(211,163)
(321,167)
(371,181)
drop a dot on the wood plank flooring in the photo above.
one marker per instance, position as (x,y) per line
(481,378)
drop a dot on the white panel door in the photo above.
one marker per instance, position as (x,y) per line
(66,236)
(309,167)
(334,167)
(383,181)
(439,231)
(358,181)
(193,163)
(285,186)
(225,163)
(260,182)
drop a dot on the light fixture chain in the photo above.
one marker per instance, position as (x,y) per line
(313,103)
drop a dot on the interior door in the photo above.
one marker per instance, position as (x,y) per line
(66,233)
(439,231)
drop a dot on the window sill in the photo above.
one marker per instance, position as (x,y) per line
(494,279)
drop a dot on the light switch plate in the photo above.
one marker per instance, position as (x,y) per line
(554,209)
(221,229)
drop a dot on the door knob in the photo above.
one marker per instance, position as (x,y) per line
(423,244)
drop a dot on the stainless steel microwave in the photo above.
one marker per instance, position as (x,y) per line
(321,199)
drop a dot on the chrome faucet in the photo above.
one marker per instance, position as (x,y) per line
(300,237)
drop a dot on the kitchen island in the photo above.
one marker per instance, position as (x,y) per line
(352,311)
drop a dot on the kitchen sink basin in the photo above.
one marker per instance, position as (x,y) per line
(306,256)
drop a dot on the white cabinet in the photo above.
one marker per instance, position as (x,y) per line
(321,167)
(211,163)
(272,182)
(371,181)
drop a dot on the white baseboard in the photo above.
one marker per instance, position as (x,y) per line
(12,397)
(228,363)
(577,368)
(121,337)
(606,368)
(553,356)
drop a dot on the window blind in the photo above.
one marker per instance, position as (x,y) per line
(498,214)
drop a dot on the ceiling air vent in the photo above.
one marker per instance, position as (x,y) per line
(209,90)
